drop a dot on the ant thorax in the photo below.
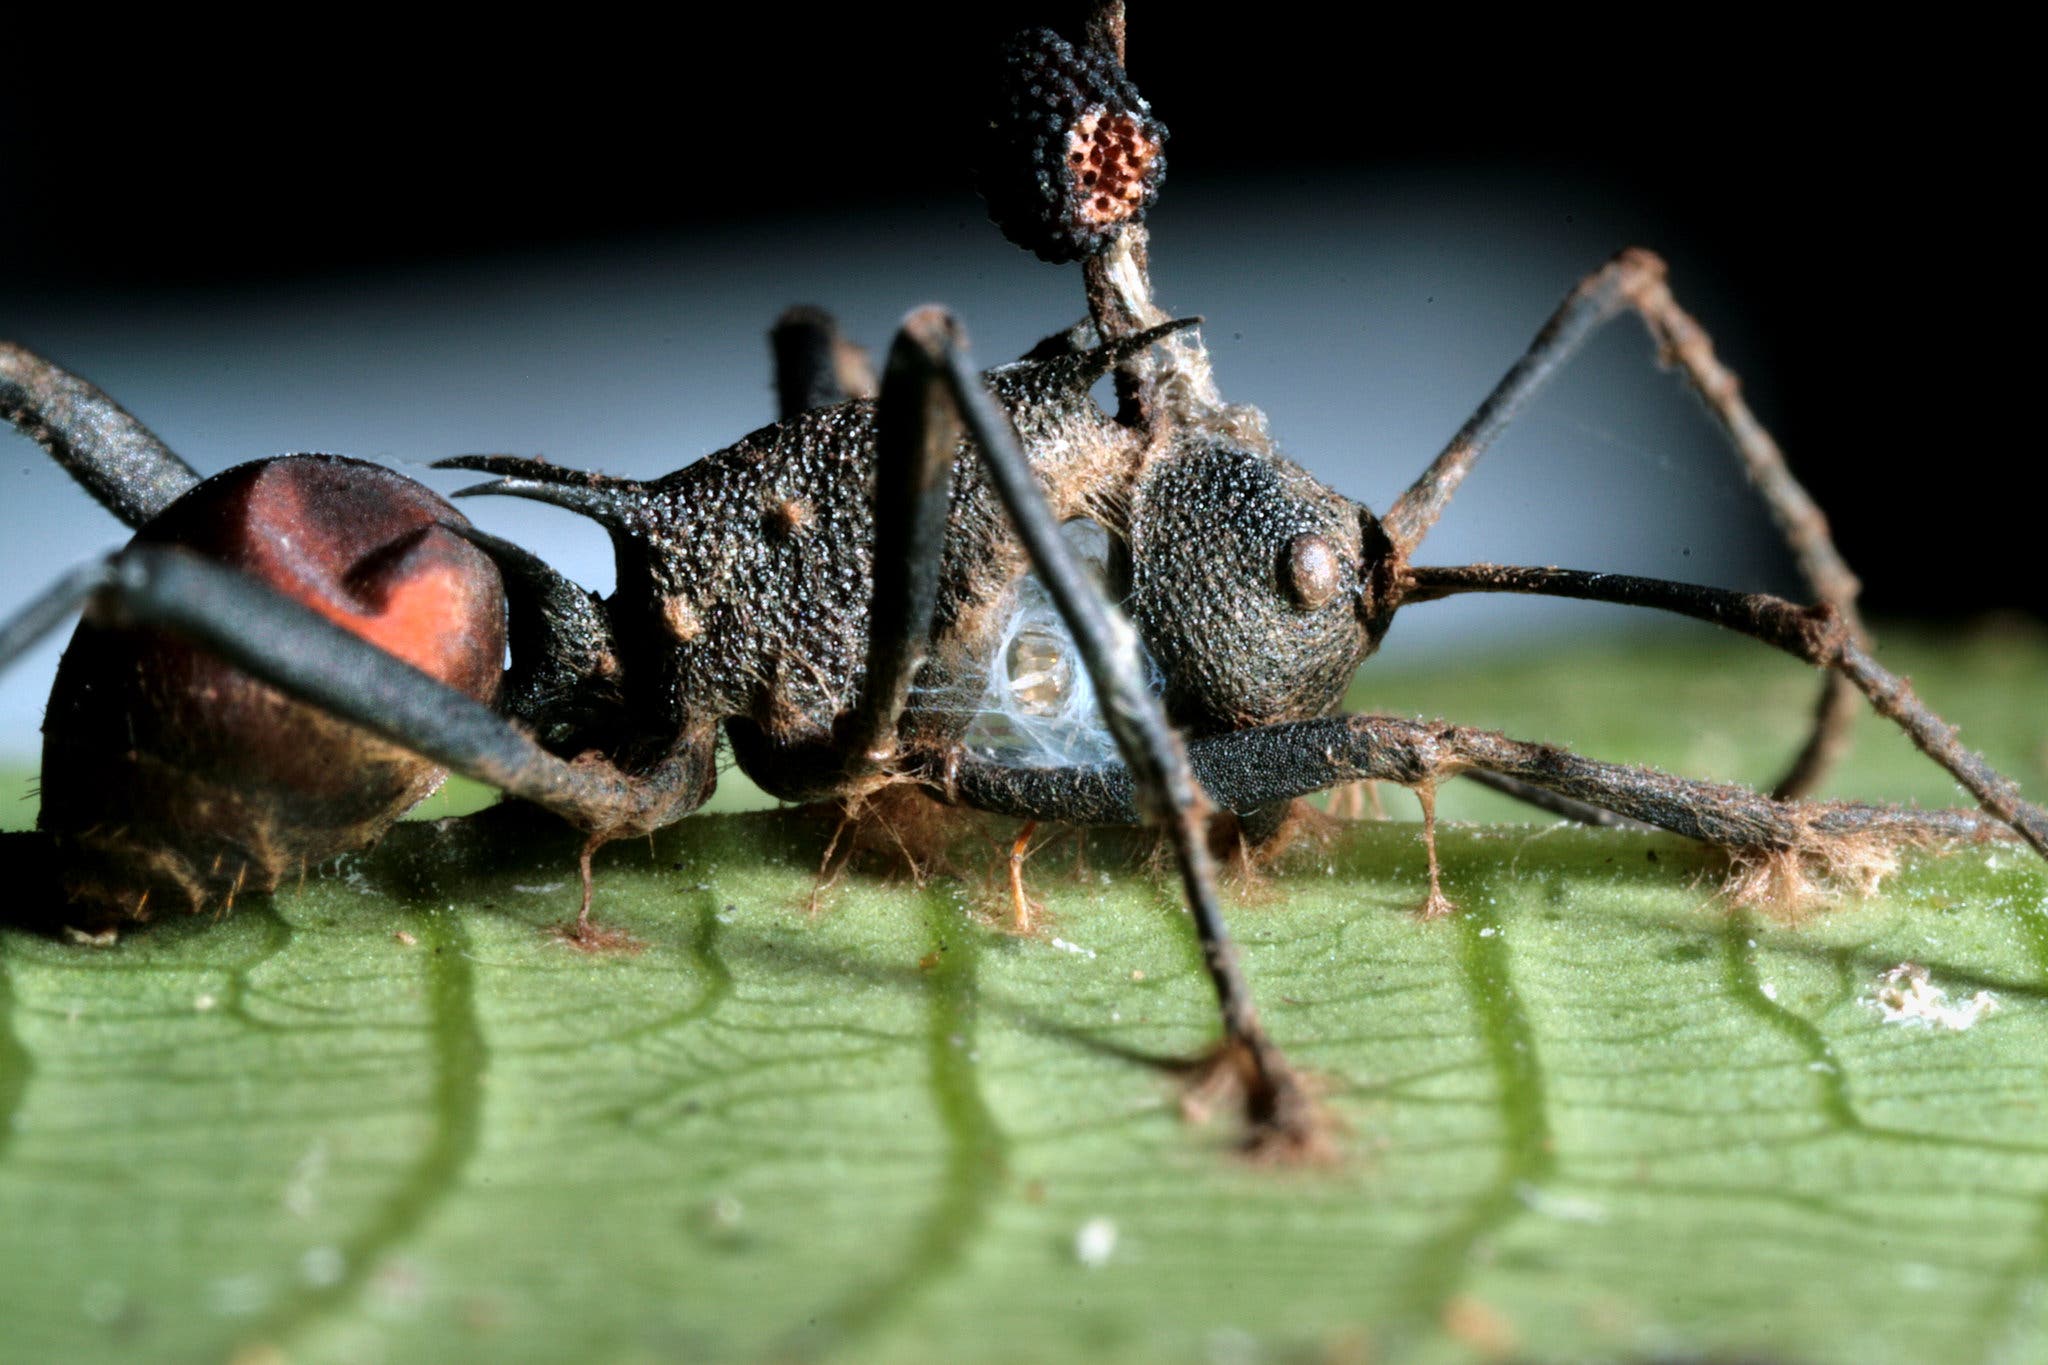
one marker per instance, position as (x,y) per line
(744,579)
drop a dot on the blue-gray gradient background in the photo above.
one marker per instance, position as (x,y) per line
(573,249)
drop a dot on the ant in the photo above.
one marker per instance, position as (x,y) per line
(287,654)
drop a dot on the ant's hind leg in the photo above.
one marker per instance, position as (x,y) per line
(917,439)
(287,645)
(117,459)
(1166,794)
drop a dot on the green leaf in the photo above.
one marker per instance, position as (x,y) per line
(387,1116)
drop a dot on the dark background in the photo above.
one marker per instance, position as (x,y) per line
(1861,182)
(1850,195)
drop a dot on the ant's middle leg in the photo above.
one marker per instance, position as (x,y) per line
(1163,788)
(917,441)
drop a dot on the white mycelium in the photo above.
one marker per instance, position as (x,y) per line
(1039,708)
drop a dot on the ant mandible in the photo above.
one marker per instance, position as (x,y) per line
(285,656)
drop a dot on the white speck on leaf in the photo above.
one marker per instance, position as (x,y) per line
(322,1266)
(302,1189)
(1565,1208)
(396,1289)
(238,1296)
(105,1302)
(724,1214)
(1919,1275)
(1067,947)
(1232,1346)
(1095,1243)
(1906,997)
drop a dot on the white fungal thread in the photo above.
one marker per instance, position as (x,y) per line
(1039,708)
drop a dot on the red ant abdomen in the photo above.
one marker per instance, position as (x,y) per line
(173,780)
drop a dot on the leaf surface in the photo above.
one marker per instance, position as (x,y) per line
(387,1116)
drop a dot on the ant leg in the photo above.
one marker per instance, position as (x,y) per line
(1166,794)
(1256,766)
(1294,758)
(1817,635)
(1437,904)
(1021,904)
(1635,280)
(815,366)
(299,652)
(917,440)
(114,457)
(1562,806)
(48,610)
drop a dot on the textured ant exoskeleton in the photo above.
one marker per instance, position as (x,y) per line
(834,592)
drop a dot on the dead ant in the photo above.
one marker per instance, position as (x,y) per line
(836,593)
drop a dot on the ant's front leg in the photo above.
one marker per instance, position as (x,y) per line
(1634,281)
(1162,787)
(1816,635)
(1789,840)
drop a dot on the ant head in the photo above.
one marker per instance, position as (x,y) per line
(1257,588)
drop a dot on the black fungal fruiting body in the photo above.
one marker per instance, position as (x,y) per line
(1071,152)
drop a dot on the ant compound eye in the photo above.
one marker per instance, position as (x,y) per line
(1312,572)
(1071,152)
